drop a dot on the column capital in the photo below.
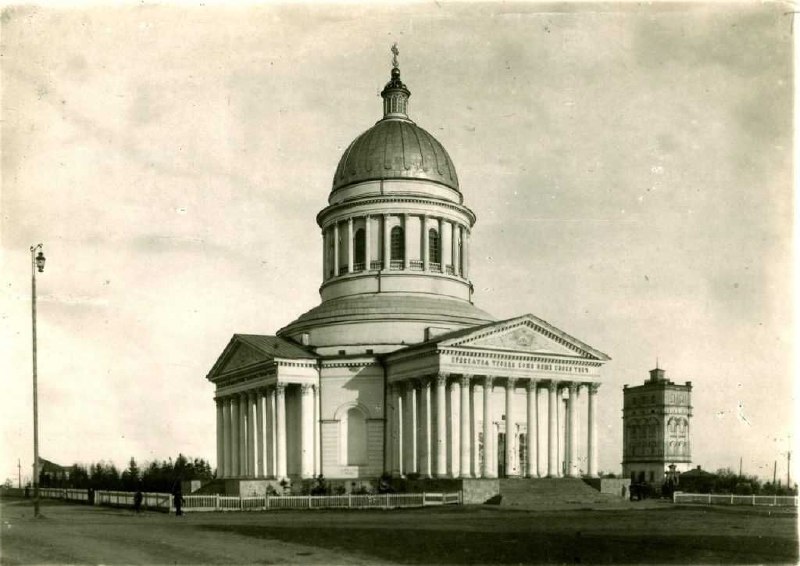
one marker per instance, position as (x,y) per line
(573,387)
(593,387)
(553,386)
(488,381)
(426,381)
(532,385)
(306,387)
(511,382)
(441,378)
(280,388)
(465,379)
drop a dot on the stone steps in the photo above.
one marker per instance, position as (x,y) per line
(549,492)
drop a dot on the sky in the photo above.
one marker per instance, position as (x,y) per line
(630,167)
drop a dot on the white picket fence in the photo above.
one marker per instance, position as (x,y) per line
(193,503)
(724,499)
(264,503)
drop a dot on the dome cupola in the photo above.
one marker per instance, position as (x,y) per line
(395,149)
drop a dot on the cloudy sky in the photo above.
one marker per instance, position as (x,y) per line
(630,167)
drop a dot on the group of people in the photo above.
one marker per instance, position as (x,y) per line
(177,499)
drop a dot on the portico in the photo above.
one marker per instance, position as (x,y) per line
(468,404)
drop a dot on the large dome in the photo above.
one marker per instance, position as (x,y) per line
(395,148)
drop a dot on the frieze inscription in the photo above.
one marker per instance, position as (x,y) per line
(511,364)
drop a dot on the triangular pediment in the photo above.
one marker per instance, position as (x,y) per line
(526,334)
(245,350)
(241,356)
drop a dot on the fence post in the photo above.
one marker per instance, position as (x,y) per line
(241,503)
(423,498)
(754,500)
(349,500)
(775,498)
(309,502)
(709,499)
(731,499)
(216,503)
(267,500)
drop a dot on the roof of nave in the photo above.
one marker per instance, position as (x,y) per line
(391,307)
(277,347)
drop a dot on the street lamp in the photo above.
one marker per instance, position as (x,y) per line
(37,263)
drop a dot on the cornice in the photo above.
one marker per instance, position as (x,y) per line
(386,199)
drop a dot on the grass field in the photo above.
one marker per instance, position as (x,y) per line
(455,535)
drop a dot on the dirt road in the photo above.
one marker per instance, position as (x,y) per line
(71,534)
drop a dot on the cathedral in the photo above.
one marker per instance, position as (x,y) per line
(396,371)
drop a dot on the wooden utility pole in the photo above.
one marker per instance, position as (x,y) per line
(19,474)
(775,474)
(740,466)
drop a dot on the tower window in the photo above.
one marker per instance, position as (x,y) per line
(397,244)
(433,246)
(360,249)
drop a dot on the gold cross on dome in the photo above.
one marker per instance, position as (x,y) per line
(395,52)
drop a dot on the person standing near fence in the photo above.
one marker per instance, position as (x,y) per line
(177,497)
(137,500)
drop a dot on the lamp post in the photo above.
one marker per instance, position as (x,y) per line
(37,263)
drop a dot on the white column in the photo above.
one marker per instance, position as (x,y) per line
(552,430)
(441,425)
(367,243)
(226,406)
(317,430)
(488,429)
(572,459)
(532,459)
(465,248)
(427,467)
(220,438)
(440,259)
(388,430)
(260,432)
(426,260)
(274,431)
(510,425)
(251,434)
(460,251)
(411,413)
(324,254)
(592,441)
(399,466)
(474,451)
(387,240)
(336,248)
(269,432)
(306,430)
(407,243)
(350,245)
(280,430)
(235,430)
(464,433)
(243,418)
